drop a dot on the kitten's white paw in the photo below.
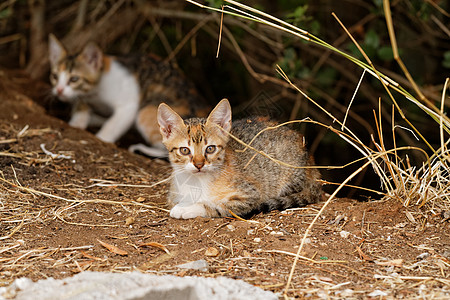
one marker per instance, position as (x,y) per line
(188,212)
(106,136)
(79,123)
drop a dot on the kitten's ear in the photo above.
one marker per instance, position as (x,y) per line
(93,56)
(56,50)
(221,115)
(168,120)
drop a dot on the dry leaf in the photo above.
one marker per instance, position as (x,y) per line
(157,245)
(211,251)
(113,248)
(83,266)
(410,217)
(140,199)
(363,255)
(326,279)
(395,262)
(86,255)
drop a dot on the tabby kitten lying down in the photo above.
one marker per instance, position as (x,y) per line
(213,174)
(123,90)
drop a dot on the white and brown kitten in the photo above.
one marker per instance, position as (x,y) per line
(214,175)
(125,90)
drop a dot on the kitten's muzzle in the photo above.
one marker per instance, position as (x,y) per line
(198,162)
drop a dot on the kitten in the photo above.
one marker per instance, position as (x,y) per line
(127,90)
(214,174)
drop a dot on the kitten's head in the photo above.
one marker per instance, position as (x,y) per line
(73,75)
(196,145)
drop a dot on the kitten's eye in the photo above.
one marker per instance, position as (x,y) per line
(210,149)
(74,79)
(185,150)
(54,76)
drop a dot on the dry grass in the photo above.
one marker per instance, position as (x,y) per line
(426,187)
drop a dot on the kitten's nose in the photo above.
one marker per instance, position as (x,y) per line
(198,163)
(59,90)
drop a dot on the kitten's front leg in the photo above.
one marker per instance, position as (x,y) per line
(80,117)
(118,124)
(188,212)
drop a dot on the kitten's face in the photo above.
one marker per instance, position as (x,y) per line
(197,148)
(196,145)
(73,76)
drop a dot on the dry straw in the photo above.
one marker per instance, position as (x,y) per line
(428,185)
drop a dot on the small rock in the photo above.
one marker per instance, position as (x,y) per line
(344,234)
(200,264)
(78,168)
(277,233)
(129,221)
(231,227)
(347,293)
(212,252)
(377,293)
(250,231)
(257,240)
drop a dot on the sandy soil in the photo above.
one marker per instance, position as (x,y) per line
(56,212)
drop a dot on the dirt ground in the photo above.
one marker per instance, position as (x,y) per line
(56,212)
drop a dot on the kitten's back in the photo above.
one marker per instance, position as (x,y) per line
(288,173)
(161,81)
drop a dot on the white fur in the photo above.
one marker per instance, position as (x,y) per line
(80,119)
(188,212)
(190,191)
(155,151)
(118,90)
(67,94)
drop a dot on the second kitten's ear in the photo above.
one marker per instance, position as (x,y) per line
(56,50)
(221,115)
(93,56)
(168,120)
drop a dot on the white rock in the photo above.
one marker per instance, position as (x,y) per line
(134,286)
(200,264)
(231,227)
(344,234)
(377,293)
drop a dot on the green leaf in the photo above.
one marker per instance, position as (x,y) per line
(215,3)
(446,61)
(4,14)
(385,53)
(372,39)
(326,77)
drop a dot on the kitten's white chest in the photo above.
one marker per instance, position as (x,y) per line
(118,87)
(189,188)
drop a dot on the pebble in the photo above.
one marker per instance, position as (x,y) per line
(344,234)
(231,227)
(200,264)
(211,251)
